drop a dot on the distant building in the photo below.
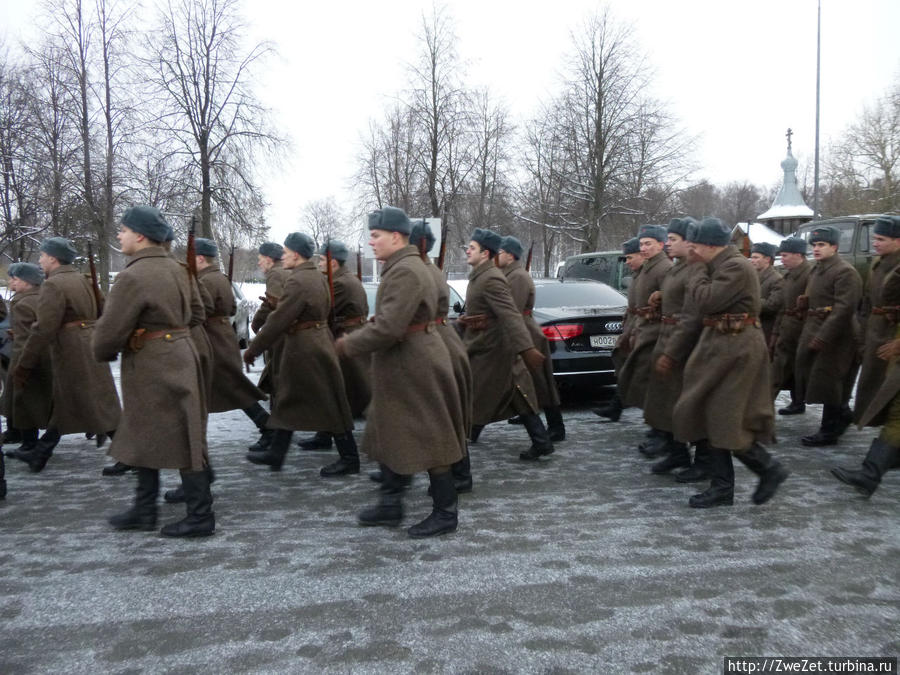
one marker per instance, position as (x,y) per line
(789,211)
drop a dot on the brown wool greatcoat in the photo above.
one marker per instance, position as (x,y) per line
(28,407)
(635,372)
(624,342)
(771,284)
(881,311)
(231,390)
(820,377)
(84,394)
(501,384)
(162,424)
(350,306)
(459,359)
(414,418)
(726,397)
(788,326)
(275,278)
(679,329)
(309,393)
(522,289)
(200,300)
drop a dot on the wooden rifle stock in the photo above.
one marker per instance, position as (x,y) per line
(231,264)
(528,259)
(191,251)
(359,263)
(328,273)
(95,286)
(442,252)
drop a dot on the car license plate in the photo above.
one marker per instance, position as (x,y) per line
(603,341)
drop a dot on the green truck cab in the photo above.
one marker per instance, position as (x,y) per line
(606,266)
(856,239)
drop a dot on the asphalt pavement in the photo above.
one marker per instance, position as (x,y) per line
(584,562)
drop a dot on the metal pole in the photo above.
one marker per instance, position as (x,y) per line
(818,73)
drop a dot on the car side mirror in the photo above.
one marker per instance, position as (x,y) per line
(458,307)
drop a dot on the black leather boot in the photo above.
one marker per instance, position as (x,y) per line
(389,509)
(42,452)
(555,425)
(677,458)
(348,461)
(117,469)
(828,429)
(265,439)
(273,456)
(843,419)
(612,410)
(443,518)
(515,420)
(11,436)
(462,474)
(476,430)
(721,488)
(697,471)
(656,445)
(200,520)
(176,496)
(540,439)
(141,516)
(771,472)
(257,415)
(795,408)
(29,438)
(321,441)
(376,476)
(880,458)
(2,477)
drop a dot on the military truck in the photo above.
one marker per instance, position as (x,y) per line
(856,239)
(606,266)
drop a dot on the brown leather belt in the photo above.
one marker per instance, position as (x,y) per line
(79,323)
(441,321)
(141,336)
(731,324)
(297,326)
(217,318)
(475,321)
(527,312)
(427,327)
(820,312)
(796,313)
(669,319)
(353,321)
(648,312)
(890,311)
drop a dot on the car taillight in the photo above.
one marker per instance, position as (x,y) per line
(562,331)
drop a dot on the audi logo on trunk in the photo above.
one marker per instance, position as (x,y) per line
(614,326)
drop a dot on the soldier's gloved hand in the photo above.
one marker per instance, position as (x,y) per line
(20,376)
(532,358)
(249,357)
(802,303)
(889,350)
(263,298)
(655,299)
(664,364)
(816,344)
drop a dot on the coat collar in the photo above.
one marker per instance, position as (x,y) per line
(655,260)
(482,268)
(62,269)
(721,257)
(149,252)
(512,267)
(398,255)
(828,263)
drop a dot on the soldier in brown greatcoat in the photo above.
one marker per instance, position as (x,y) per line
(351,309)
(789,323)
(826,351)
(631,249)
(84,394)
(231,389)
(269,261)
(725,404)
(414,418)
(762,257)
(146,318)
(309,393)
(880,311)
(679,329)
(498,344)
(27,410)
(522,288)
(634,375)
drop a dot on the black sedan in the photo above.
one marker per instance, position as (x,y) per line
(582,320)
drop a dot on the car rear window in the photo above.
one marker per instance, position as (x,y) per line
(577,295)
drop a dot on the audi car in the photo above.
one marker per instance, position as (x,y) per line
(582,320)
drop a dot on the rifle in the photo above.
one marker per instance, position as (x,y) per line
(359,263)
(98,296)
(528,259)
(191,251)
(423,252)
(231,263)
(443,250)
(332,321)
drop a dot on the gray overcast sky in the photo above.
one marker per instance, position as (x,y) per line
(736,74)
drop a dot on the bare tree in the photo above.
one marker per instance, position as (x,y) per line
(323,219)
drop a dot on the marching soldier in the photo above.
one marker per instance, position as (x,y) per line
(631,249)
(231,390)
(762,257)
(84,394)
(634,375)
(269,261)
(309,393)
(522,288)
(500,348)
(414,418)
(881,311)
(351,309)
(146,319)
(679,329)
(826,352)
(789,323)
(725,405)
(27,409)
